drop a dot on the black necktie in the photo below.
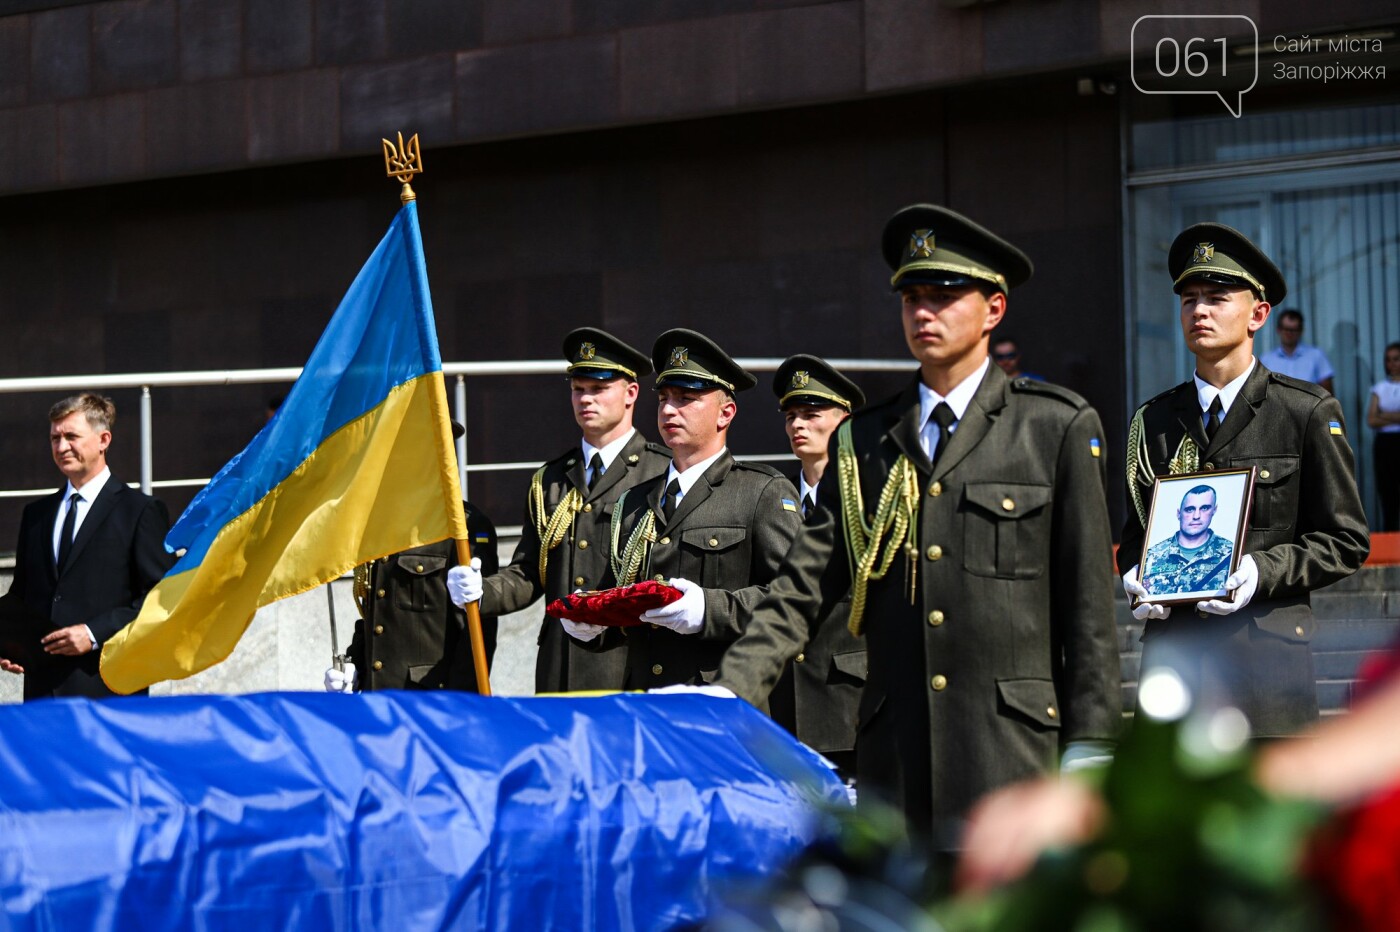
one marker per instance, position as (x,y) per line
(1213,418)
(944,417)
(668,505)
(596,467)
(808,503)
(65,536)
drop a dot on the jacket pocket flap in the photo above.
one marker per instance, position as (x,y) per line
(421,564)
(1008,499)
(1272,469)
(713,538)
(852,663)
(1033,698)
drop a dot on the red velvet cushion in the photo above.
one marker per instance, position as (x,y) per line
(614,608)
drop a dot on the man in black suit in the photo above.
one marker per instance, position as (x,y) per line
(86,558)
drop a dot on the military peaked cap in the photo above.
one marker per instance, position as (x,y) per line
(598,354)
(930,245)
(692,360)
(1223,254)
(810,380)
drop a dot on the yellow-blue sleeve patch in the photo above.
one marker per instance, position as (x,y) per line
(1095,447)
(1335,427)
(483,538)
(789,505)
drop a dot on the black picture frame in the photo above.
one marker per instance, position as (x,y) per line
(1173,570)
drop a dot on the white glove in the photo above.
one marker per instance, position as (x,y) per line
(581,630)
(464,583)
(1136,590)
(686,615)
(1242,583)
(1086,755)
(341,681)
(706,689)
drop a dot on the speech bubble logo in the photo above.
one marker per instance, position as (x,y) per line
(1180,54)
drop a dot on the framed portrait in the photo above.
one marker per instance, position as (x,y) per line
(1195,535)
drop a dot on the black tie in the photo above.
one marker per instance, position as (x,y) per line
(944,417)
(808,504)
(596,466)
(673,492)
(65,536)
(1213,418)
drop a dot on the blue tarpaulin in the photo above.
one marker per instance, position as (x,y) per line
(393,810)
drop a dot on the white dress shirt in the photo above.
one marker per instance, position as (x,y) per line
(958,399)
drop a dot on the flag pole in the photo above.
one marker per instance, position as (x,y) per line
(403,162)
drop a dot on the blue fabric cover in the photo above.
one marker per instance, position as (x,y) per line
(393,810)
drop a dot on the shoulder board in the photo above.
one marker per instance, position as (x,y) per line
(1311,388)
(573,453)
(1160,395)
(1049,390)
(658,449)
(763,468)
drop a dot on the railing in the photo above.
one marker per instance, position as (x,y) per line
(461,370)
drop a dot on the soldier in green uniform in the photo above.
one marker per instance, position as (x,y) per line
(1195,558)
(713,527)
(968,521)
(818,694)
(410,635)
(564,541)
(1306,526)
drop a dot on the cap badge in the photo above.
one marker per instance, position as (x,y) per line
(800,378)
(586,351)
(679,357)
(921,244)
(1203,253)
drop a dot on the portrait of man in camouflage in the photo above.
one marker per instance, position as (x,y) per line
(1195,558)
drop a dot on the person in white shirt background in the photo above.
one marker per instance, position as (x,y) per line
(1295,358)
(1384,416)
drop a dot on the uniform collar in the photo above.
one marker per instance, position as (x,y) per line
(609,452)
(958,399)
(1205,392)
(689,477)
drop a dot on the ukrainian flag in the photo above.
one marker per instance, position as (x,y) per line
(358,463)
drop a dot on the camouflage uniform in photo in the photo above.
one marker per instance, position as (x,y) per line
(1170,567)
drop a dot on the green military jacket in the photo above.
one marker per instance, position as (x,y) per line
(728,535)
(993,643)
(818,695)
(1170,567)
(410,635)
(580,561)
(1307,528)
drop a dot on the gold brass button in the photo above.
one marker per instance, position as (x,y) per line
(379,665)
(935,618)
(656,669)
(1298,630)
(418,568)
(578,580)
(1208,466)
(1008,505)
(935,552)
(583,545)
(378,629)
(380,593)
(1050,711)
(1263,474)
(587,507)
(1202,614)
(801,658)
(936,489)
(939,683)
(664,540)
(659,577)
(633,458)
(714,542)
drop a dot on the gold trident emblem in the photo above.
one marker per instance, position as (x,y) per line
(800,378)
(586,351)
(921,244)
(1203,253)
(679,357)
(403,162)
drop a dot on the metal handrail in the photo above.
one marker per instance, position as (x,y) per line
(145,381)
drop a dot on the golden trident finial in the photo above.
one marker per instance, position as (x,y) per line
(403,162)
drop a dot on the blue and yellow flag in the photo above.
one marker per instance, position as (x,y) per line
(357,463)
